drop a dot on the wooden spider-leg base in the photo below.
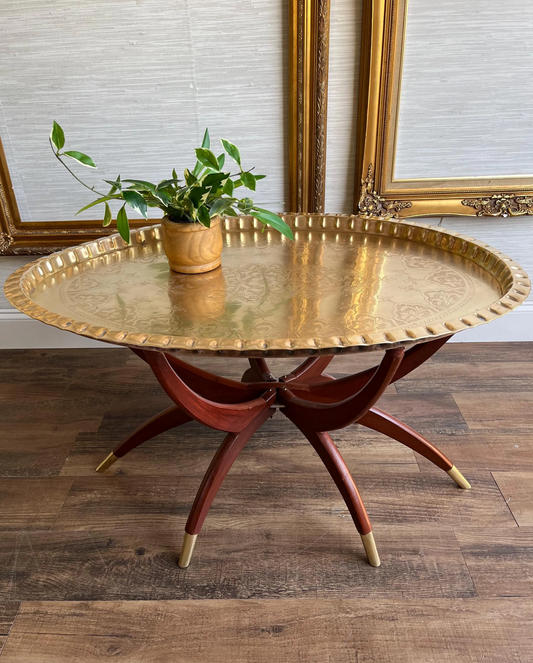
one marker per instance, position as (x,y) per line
(388,425)
(334,462)
(162,422)
(315,402)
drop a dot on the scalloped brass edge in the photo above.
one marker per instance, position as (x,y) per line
(512,278)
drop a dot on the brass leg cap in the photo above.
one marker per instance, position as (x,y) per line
(370,549)
(106,463)
(187,549)
(459,478)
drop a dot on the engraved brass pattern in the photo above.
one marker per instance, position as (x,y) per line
(345,284)
(501,204)
(375,206)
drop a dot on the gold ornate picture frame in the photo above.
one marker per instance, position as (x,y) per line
(308,77)
(379,192)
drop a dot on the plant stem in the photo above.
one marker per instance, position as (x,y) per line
(56,154)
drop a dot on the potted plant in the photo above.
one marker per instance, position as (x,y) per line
(192,206)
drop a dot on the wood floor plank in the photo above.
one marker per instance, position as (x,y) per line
(469,376)
(29,450)
(455,580)
(425,412)
(500,353)
(500,561)
(517,489)
(277,447)
(8,611)
(30,385)
(402,498)
(31,503)
(312,631)
(481,449)
(496,409)
(65,358)
(74,414)
(310,556)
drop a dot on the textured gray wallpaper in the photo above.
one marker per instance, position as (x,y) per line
(466,105)
(134,83)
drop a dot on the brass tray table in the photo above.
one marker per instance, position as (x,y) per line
(346,284)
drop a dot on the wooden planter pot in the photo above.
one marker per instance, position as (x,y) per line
(192,248)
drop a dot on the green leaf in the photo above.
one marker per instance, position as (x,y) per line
(198,196)
(148,186)
(228,187)
(206,141)
(115,186)
(135,201)
(207,158)
(164,183)
(232,150)
(220,206)
(162,196)
(57,136)
(123,226)
(107,216)
(248,180)
(230,212)
(80,158)
(95,202)
(190,178)
(259,177)
(273,220)
(214,179)
(174,174)
(190,208)
(221,160)
(203,216)
(245,205)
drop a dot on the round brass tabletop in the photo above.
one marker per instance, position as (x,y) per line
(345,284)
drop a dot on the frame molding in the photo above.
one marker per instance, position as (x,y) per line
(308,100)
(308,84)
(379,97)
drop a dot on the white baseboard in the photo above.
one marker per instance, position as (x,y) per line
(18,331)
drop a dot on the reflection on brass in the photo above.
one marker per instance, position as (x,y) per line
(383,43)
(459,478)
(345,284)
(374,206)
(187,549)
(105,464)
(501,205)
(371,549)
(199,297)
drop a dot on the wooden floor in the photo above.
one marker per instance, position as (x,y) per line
(88,567)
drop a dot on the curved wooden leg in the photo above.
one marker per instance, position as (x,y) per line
(162,422)
(258,372)
(334,462)
(310,371)
(388,425)
(222,461)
